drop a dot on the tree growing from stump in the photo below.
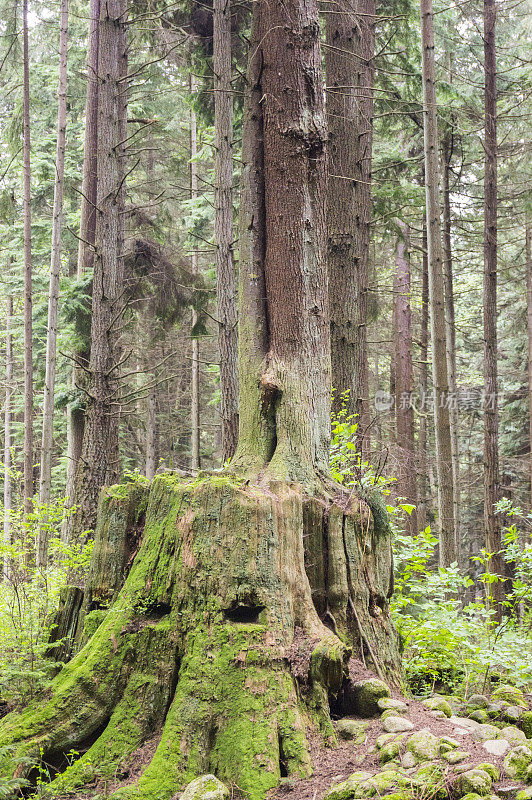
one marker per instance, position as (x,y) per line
(222,609)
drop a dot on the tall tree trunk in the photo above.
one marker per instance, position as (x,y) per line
(442,425)
(28,291)
(223,226)
(152,434)
(198,638)
(53,292)
(528,255)
(8,483)
(451,332)
(404,410)
(350,46)
(422,510)
(76,414)
(195,459)
(99,462)
(491,407)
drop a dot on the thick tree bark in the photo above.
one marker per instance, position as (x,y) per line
(448,550)
(422,482)
(99,462)
(491,406)
(195,370)
(238,571)
(451,333)
(28,290)
(76,414)
(8,419)
(528,252)
(350,46)
(223,226)
(404,412)
(53,292)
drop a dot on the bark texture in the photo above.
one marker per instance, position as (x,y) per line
(8,420)
(223,226)
(350,46)
(528,251)
(448,550)
(491,406)
(195,370)
(423,468)
(53,291)
(98,465)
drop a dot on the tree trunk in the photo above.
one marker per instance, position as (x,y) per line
(53,293)
(350,46)
(237,572)
(75,413)
(404,410)
(195,460)
(152,435)
(491,407)
(223,226)
(8,485)
(451,333)
(448,552)
(528,251)
(28,291)
(99,462)
(422,482)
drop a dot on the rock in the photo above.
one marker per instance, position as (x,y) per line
(397,725)
(352,730)
(491,769)
(438,703)
(455,756)
(474,781)
(464,722)
(528,774)
(471,796)
(494,709)
(409,760)
(385,703)
(438,714)
(507,791)
(511,695)
(366,695)
(496,747)
(479,715)
(512,714)
(524,794)
(392,712)
(206,787)
(387,779)
(383,739)
(391,749)
(478,701)
(513,735)
(525,723)
(517,760)
(352,787)
(446,744)
(484,732)
(423,745)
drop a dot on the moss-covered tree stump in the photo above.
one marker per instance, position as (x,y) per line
(198,642)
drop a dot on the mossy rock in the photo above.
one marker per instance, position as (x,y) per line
(391,749)
(525,723)
(367,694)
(352,730)
(485,732)
(511,695)
(206,787)
(390,703)
(472,796)
(474,781)
(491,769)
(494,709)
(512,714)
(479,715)
(517,761)
(355,786)
(397,724)
(456,756)
(447,743)
(524,794)
(513,735)
(478,701)
(438,703)
(423,745)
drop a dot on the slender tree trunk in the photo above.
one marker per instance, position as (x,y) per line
(195,459)
(28,291)
(403,379)
(422,514)
(350,46)
(75,413)
(451,333)
(53,292)
(223,226)
(99,462)
(152,434)
(528,252)
(8,483)
(448,551)
(491,408)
